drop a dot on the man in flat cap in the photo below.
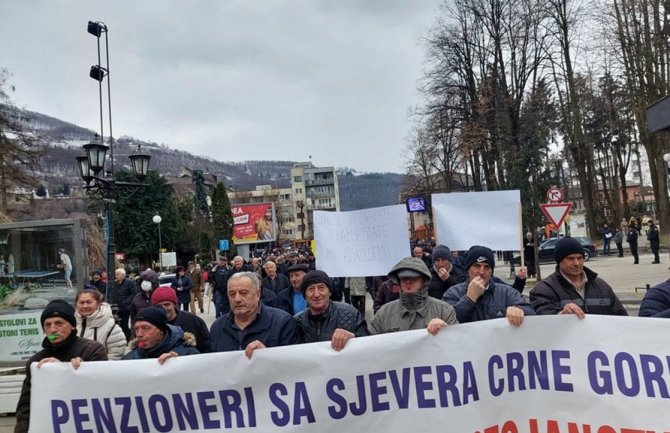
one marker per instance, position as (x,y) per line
(573,288)
(61,344)
(482,298)
(326,320)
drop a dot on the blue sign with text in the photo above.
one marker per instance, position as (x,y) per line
(224,245)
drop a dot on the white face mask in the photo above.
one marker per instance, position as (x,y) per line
(146,285)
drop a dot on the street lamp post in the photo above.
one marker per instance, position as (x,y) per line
(101,184)
(157,220)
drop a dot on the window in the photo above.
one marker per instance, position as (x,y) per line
(298,190)
(288,231)
(297,178)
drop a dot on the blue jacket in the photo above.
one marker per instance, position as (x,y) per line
(184,295)
(656,302)
(175,340)
(491,305)
(272,326)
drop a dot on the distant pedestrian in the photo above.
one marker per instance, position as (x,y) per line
(654,241)
(618,240)
(633,234)
(606,233)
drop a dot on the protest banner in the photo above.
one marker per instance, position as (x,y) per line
(553,374)
(254,223)
(361,243)
(488,218)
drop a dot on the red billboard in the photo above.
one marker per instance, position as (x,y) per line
(254,223)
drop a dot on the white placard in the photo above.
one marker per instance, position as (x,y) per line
(361,243)
(489,218)
(169,259)
(552,374)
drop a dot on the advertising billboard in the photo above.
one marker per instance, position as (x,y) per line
(254,223)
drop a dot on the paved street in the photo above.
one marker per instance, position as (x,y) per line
(620,273)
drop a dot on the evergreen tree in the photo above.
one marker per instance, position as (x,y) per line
(200,192)
(222,216)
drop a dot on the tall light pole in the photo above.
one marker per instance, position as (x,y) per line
(157,220)
(99,183)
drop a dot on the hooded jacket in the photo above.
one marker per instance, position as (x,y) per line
(175,340)
(411,311)
(101,327)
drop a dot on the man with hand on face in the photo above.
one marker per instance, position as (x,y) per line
(414,309)
(574,288)
(155,338)
(480,297)
(443,273)
(326,320)
(166,298)
(251,325)
(61,344)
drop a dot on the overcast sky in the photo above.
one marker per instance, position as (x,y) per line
(236,80)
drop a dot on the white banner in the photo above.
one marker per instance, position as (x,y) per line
(20,336)
(552,374)
(488,218)
(361,243)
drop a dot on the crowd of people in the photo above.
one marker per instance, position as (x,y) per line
(279,301)
(630,231)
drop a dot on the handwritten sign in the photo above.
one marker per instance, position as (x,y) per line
(361,243)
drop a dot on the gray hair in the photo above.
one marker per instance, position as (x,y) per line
(120,271)
(255,281)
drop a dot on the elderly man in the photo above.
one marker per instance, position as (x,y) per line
(274,281)
(155,338)
(292,299)
(126,289)
(251,325)
(419,253)
(482,298)
(238,265)
(165,297)
(414,309)
(61,344)
(574,288)
(326,320)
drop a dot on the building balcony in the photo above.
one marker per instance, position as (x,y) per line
(319,182)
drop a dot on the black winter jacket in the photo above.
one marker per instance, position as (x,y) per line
(273,327)
(656,302)
(125,293)
(550,295)
(321,327)
(66,350)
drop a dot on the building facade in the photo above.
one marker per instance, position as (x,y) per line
(314,189)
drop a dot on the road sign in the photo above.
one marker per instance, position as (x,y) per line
(224,245)
(555,195)
(556,212)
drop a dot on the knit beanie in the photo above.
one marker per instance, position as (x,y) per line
(479,254)
(59,308)
(565,247)
(164,294)
(314,277)
(157,316)
(442,252)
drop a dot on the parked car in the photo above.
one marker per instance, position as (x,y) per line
(547,247)
(165,280)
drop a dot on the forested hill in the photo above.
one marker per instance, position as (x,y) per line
(63,141)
